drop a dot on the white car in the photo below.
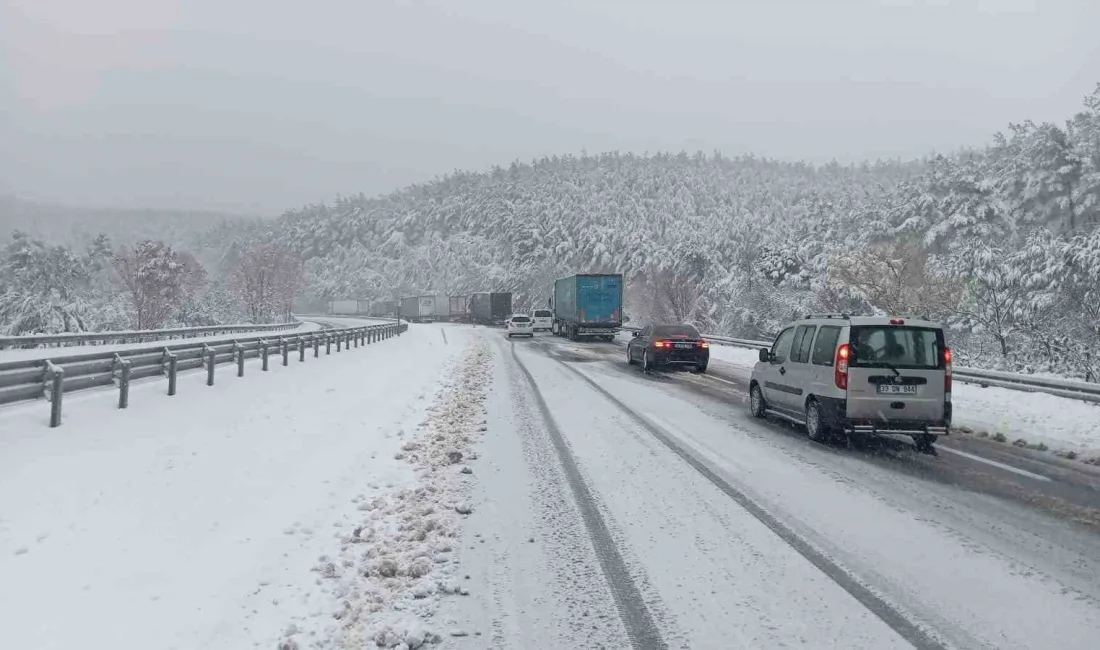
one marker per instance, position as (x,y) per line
(543,320)
(520,325)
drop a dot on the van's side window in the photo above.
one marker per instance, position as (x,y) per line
(825,348)
(803,338)
(782,345)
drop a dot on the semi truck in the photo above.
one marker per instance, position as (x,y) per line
(348,307)
(588,305)
(490,308)
(418,309)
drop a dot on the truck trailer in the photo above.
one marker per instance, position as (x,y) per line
(588,305)
(418,309)
(384,309)
(458,308)
(348,307)
(490,308)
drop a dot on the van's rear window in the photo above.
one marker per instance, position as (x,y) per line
(901,347)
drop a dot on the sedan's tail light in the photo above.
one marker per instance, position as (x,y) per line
(704,345)
(660,344)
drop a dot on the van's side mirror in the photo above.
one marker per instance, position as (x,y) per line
(765,355)
(635,334)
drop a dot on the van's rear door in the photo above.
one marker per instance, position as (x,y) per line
(897,373)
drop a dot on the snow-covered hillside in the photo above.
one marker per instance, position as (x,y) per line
(1002,243)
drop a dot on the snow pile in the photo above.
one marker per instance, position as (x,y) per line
(396,563)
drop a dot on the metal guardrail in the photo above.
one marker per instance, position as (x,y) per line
(1079,390)
(134,336)
(34,379)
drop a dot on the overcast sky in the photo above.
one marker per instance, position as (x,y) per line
(263,105)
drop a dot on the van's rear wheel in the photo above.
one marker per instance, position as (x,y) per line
(815,423)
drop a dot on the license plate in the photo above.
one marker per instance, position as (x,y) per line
(896,389)
(685,346)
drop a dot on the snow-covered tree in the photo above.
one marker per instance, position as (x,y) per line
(157,280)
(266,281)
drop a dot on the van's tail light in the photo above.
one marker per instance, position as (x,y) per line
(947,373)
(840,367)
(660,344)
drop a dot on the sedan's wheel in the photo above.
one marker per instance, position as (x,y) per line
(630,356)
(757,405)
(646,367)
(701,369)
(815,427)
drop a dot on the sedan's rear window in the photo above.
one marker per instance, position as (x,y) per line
(542,313)
(901,347)
(683,331)
(520,319)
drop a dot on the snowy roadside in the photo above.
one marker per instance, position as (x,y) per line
(1062,425)
(68,351)
(195,521)
(394,563)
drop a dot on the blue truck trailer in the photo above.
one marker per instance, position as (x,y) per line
(588,305)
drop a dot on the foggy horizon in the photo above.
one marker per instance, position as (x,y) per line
(252,109)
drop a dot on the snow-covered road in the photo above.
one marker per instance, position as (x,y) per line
(454,489)
(722,531)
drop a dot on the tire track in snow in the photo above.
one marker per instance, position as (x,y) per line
(896,619)
(636,616)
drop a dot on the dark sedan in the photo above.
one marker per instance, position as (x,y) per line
(668,345)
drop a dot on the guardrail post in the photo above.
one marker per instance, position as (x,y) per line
(238,356)
(328,343)
(301,349)
(263,353)
(355,336)
(170,361)
(285,349)
(54,389)
(339,340)
(120,369)
(316,343)
(208,355)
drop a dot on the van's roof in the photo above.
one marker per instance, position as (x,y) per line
(861,321)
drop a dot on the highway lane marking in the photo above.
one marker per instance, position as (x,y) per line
(724,381)
(1017,470)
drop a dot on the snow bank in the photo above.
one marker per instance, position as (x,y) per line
(743,358)
(396,562)
(1060,423)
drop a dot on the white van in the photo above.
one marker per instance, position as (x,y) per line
(857,374)
(543,320)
